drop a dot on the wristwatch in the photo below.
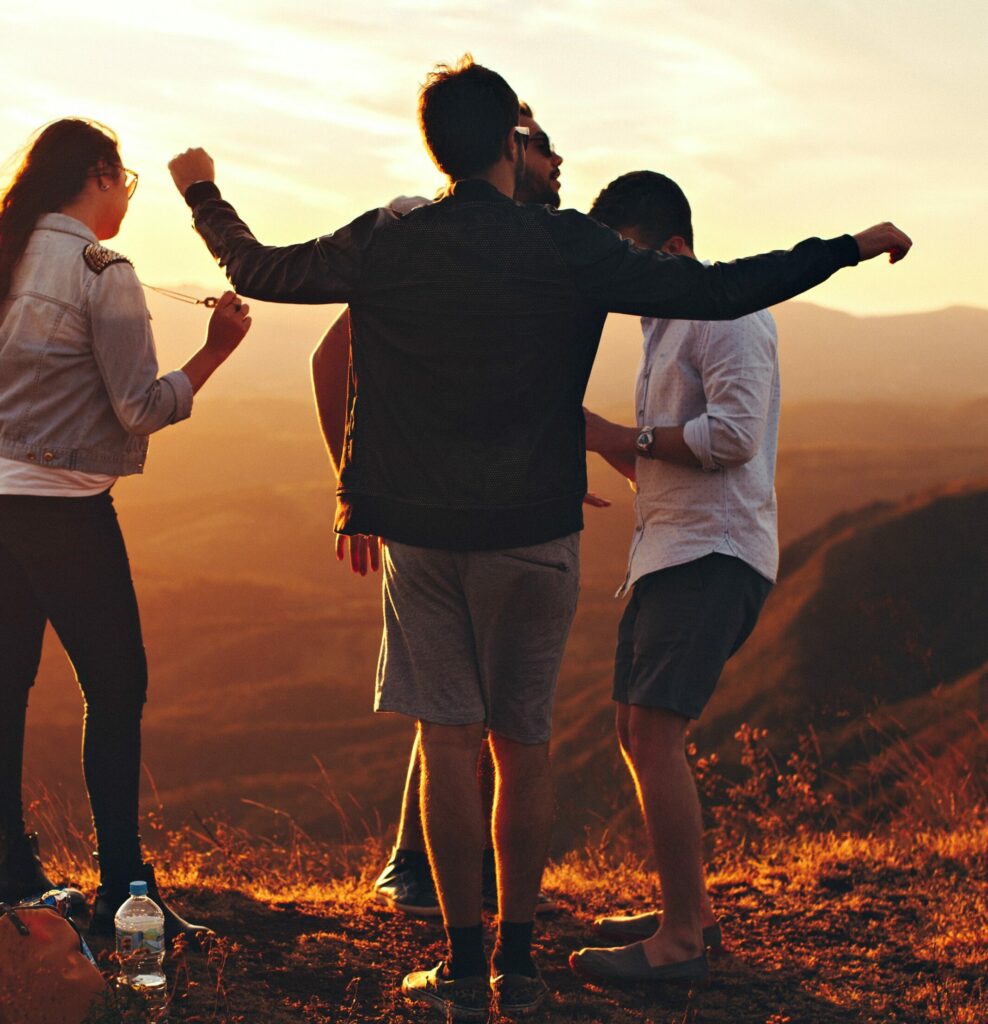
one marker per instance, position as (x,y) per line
(643,442)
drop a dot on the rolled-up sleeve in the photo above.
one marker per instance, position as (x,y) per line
(738,364)
(123,347)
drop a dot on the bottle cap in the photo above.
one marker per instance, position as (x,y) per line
(138,888)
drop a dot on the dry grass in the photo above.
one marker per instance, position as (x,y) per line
(828,920)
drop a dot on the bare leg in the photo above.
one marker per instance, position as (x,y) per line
(654,744)
(523,810)
(485,783)
(410,834)
(455,829)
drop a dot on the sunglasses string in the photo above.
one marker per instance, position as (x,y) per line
(209,302)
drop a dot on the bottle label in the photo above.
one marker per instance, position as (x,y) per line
(152,940)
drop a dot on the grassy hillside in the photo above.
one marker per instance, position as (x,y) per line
(827,922)
(260,642)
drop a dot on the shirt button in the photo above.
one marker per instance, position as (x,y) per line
(48,456)
(31,457)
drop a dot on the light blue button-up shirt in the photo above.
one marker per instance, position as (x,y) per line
(720,381)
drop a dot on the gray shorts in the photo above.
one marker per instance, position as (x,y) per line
(477,636)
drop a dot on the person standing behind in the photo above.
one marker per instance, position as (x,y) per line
(79,395)
(406,883)
(704,555)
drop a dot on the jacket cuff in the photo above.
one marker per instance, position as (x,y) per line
(199,191)
(182,387)
(844,250)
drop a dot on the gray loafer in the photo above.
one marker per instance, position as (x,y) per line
(629,965)
(635,927)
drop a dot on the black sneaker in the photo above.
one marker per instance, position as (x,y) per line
(21,871)
(406,884)
(544,904)
(518,995)
(455,998)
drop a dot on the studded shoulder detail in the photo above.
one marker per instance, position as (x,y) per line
(99,258)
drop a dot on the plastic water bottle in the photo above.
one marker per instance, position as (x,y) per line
(140,926)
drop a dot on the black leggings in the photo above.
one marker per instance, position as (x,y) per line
(63,560)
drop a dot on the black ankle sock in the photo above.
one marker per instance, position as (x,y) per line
(417,861)
(513,952)
(466,949)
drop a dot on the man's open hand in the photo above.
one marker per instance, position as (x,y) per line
(365,552)
(883,238)
(191,166)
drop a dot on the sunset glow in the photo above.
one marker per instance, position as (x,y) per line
(779,119)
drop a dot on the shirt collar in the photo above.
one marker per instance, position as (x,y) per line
(477,190)
(67,225)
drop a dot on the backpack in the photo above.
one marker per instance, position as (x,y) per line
(47,974)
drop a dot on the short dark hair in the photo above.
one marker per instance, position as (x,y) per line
(465,113)
(648,201)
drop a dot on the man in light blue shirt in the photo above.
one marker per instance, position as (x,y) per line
(703,558)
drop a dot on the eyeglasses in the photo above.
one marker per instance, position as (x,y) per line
(130,177)
(130,181)
(543,144)
(522,135)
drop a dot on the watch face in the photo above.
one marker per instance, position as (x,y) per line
(644,442)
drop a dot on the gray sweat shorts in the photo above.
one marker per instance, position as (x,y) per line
(477,636)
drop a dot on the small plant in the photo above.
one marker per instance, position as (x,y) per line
(770,800)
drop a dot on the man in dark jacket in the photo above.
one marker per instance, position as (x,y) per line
(475,321)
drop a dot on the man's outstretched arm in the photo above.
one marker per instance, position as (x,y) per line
(324,269)
(616,276)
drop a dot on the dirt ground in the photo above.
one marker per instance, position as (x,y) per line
(833,931)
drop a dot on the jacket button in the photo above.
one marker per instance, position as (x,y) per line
(31,457)
(48,456)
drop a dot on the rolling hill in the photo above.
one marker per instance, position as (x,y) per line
(262,649)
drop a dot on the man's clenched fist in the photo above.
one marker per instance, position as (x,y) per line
(191,166)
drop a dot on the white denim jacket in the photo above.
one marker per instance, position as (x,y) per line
(79,385)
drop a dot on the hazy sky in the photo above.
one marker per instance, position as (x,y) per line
(780,118)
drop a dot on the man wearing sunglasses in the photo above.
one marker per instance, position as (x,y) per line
(474,324)
(406,883)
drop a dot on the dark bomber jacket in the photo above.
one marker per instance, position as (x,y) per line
(475,322)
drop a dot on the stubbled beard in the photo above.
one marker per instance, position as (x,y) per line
(537,192)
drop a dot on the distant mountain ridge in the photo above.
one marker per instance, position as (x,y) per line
(829,356)
(826,355)
(878,621)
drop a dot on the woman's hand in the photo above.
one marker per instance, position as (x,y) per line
(228,324)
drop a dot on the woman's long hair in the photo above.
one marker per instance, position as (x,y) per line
(52,174)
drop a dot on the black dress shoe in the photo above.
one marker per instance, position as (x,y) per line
(110,896)
(21,872)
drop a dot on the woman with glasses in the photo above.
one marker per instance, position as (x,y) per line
(79,395)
